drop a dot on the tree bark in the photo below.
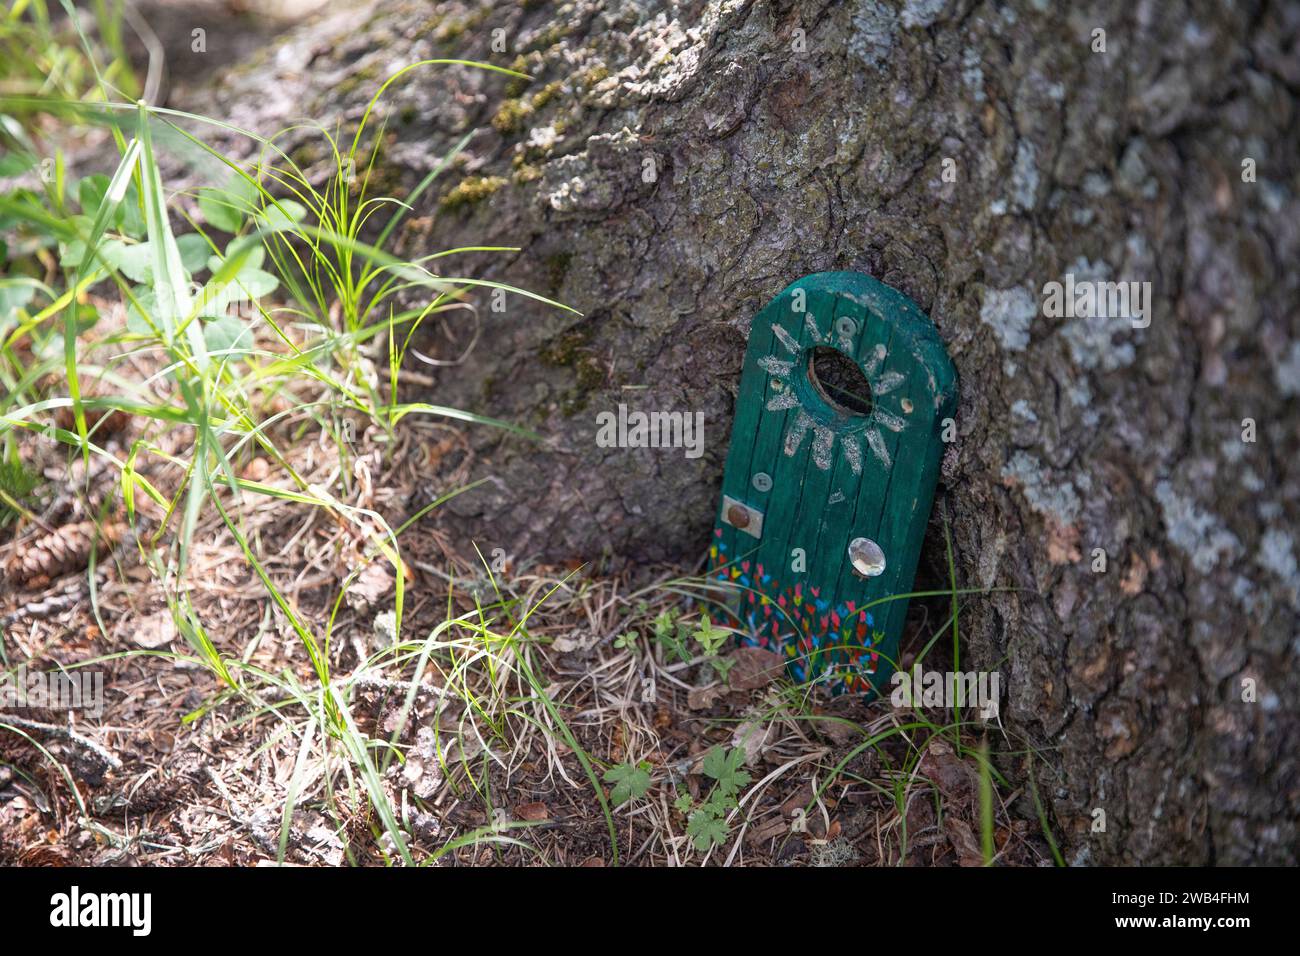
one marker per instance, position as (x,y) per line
(786,138)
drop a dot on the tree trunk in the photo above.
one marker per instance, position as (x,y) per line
(672,166)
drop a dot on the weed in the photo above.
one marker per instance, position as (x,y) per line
(197,291)
(707,822)
(672,636)
(631,781)
(711,640)
(16,483)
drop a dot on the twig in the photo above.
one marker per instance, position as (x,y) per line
(45,606)
(98,751)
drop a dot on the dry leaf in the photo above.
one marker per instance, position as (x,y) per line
(772,829)
(954,777)
(753,667)
(533,812)
(752,736)
(257,469)
(154,630)
(963,841)
(370,586)
(701,698)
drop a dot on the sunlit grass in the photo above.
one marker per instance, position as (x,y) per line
(220,348)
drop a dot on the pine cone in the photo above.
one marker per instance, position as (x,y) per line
(67,549)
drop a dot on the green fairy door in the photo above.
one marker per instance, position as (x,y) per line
(830,475)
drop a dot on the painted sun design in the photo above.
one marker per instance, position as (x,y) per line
(825,437)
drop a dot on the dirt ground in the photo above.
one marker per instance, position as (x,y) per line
(181,768)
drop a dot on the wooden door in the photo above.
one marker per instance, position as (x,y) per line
(827,490)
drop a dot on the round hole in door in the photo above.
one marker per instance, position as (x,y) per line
(839,381)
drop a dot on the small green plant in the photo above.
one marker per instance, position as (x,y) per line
(672,636)
(722,665)
(631,781)
(706,824)
(677,638)
(711,640)
(628,641)
(16,483)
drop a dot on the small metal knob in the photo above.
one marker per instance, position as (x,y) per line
(737,516)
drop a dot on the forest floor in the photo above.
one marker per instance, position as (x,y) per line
(492,721)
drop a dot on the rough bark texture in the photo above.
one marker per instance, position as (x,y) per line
(789,138)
